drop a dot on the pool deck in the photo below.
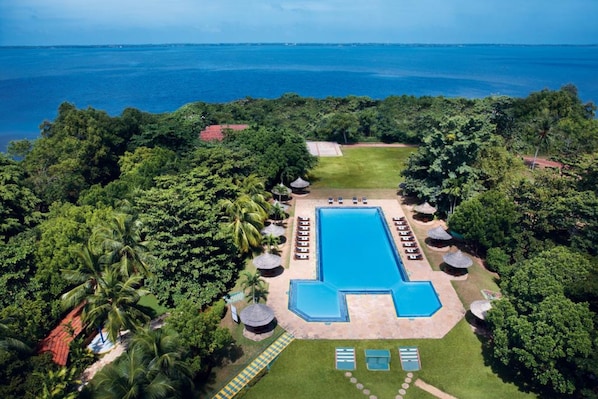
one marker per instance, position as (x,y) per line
(371,316)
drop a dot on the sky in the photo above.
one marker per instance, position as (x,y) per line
(97,22)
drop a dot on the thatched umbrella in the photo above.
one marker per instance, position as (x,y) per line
(458,260)
(273,229)
(480,308)
(438,233)
(300,184)
(267,261)
(257,315)
(425,208)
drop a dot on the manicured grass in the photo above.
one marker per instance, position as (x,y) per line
(361,167)
(151,301)
(453,364)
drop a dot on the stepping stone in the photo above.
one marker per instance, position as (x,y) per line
(405,385)
(402,391)
(398,397)
(410,375)
(366,391)
(348,374)
(353,380)
(359,386)
(407,380)
(373,397)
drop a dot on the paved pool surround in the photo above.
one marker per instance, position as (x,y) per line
(372,316)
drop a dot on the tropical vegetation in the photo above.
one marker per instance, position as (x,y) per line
(105,211)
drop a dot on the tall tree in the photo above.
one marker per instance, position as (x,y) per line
(245,221)
(256,286)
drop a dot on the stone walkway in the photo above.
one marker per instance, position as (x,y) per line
(433,390)
(371,316)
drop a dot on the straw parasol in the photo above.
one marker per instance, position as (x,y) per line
(267,261)
(480,308)
(257,315)
(438,233)
(457,260)
(273,229)
(300,183)
(425,208)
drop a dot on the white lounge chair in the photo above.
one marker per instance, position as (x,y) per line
(340,200)
(302,250)
(301,256)
(364,200)
(303,243)
(303,233)
(303,218)
(398,218)
(355,201)
(303,238)
(303,228)
(303,223)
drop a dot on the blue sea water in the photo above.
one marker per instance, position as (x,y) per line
(35,80)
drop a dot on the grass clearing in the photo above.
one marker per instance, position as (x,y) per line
(361,167)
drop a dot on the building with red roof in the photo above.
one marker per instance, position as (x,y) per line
(216,132)
(59,339)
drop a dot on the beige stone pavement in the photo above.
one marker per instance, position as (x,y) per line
(371,316)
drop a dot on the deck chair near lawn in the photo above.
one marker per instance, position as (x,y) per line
(345,358)
(340,200)
(354,200)
(364,200)
(409,358)
(330,200)
(377,359)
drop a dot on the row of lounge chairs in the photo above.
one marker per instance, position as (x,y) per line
(303,230)
(340,200)
(409,244)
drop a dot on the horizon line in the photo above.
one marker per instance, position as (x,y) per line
(290,44)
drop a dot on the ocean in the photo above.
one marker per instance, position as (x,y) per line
(161,78)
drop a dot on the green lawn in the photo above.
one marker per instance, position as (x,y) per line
(455,364)
(361,167)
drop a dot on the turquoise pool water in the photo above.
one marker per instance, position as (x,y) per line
(356,255)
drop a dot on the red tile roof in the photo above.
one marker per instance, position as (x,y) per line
(57,342)
(216,132)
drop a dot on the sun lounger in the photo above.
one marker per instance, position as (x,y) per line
(415,257)
(303,243)
(340,200)
(303,238)
(301,256)
(407,238)
(303,233)
(405,233)
(303,223)
(409,244)
(409,358)
(303,218)
(403,227)
(412,250)
(303,228)
(345,358)
(400,223)
(364,200)
(377,359)
(398,218)
(330,201)
(354,200)
(302,250)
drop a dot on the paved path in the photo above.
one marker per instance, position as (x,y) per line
(433,390)
(255,367)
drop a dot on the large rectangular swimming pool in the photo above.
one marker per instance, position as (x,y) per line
(357,255)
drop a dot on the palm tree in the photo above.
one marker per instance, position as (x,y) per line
(162,347)
(115,303)
(7,342)
(254,188)
(544,126)
(124,245)
(86,276)
(271,241)
(59,384)
(277,211)
(256,284)
(245,222)
(128,378)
